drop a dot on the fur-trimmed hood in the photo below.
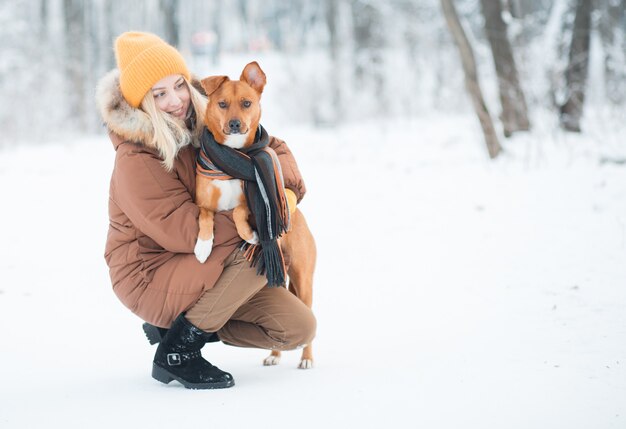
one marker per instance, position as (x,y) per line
(129,123)
(121,118)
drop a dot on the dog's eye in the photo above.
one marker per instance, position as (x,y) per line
(222,104)
(247,103)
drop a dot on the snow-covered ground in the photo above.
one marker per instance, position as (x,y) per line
(451,291)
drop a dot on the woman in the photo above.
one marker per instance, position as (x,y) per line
(150,106)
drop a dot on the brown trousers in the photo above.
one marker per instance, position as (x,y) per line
(245,312)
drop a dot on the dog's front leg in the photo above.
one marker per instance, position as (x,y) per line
(204,243)
(245,231)
(207,197)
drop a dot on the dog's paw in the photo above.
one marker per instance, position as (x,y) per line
(306,364)
(254,239)
(203,249)
(271,360)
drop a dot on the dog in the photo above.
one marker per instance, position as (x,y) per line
(232,115)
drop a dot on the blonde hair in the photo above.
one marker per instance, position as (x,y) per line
(171,134)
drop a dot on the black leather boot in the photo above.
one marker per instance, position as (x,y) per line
(178,358)
(154,334)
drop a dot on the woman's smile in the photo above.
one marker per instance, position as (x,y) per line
(179,112)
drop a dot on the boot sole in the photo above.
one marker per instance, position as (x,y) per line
(152,333)
(164,376)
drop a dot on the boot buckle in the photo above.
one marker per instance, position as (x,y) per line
(173,359)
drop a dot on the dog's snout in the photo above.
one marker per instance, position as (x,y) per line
(234,125)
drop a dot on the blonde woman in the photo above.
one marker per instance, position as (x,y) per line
(150,107)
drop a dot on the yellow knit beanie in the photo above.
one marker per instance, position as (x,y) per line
(144,59)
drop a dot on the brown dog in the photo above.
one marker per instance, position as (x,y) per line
(232,115)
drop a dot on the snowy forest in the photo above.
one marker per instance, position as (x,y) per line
(343,61)
(465,169)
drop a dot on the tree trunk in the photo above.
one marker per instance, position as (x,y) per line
(75,35)
(471,77)
(109,35)
(92,67)
(514,112)
(218,27)
(611,17)
(43,20)
(332,11)
(169,9)
(368,46)
(576,74)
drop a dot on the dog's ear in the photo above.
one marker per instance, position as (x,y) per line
(254,76)
(211,83)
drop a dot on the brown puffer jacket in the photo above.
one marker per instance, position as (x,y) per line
(153,221)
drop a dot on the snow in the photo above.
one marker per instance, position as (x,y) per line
(451,291)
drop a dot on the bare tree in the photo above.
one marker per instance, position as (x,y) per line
(169,10)
(334,44)
(76,34)
(576,74)
(514,114)
(368,46)
(612,15)
(43,20)
(471,77)
(108,35)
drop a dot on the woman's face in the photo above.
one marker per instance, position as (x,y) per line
(171,95)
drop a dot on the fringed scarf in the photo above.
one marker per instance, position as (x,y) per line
(258,167)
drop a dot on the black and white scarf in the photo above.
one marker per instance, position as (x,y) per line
(258,167)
